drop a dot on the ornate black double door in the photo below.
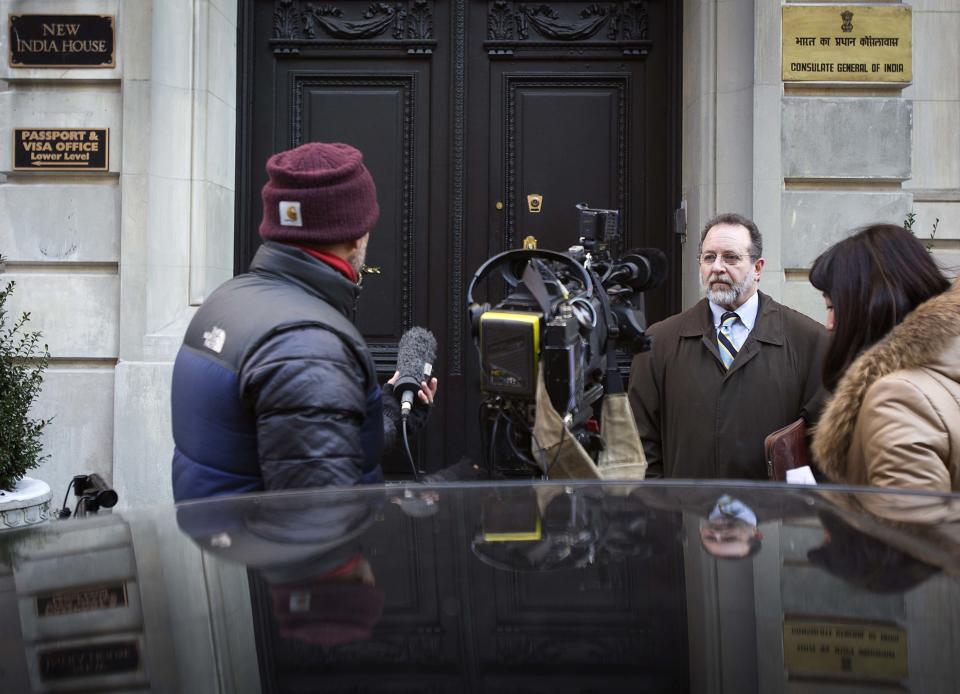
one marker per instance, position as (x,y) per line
(464,110)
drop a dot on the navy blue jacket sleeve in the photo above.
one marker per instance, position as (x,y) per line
(307,392)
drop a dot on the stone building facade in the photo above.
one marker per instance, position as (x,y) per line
(112,265)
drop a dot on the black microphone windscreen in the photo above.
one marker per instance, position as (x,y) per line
(417,347)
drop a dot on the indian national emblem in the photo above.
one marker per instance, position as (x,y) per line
(847,17)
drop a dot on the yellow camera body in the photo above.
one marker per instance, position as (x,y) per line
(510,345)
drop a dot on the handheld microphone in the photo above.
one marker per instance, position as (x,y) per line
(415,356)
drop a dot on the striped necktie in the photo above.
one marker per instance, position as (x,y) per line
(725,341)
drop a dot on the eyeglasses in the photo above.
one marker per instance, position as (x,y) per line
(729,259)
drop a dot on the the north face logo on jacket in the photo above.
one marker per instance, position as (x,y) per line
(214,339)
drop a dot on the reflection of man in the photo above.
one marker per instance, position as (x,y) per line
(307,550)
(274,387)
(340,606)
(728,371)
(729,518)
(730,530)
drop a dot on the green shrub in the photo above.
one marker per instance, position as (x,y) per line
(22,363)
(912,219)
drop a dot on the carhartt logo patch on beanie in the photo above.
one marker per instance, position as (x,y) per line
(319,193)
(290,214)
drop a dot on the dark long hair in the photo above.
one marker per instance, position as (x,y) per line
(874,279)
(866,561)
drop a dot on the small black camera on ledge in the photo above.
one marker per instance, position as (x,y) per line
(92,494)
(567,313)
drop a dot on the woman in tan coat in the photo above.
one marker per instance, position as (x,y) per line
(893,364)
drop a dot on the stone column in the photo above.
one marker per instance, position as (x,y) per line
(719,94)
(177,226)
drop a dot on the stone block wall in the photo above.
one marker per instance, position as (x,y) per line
(60,234)
(112,265)
(811,163)
(846,153)
(853,155)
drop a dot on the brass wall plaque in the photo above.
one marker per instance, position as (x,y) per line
(86,600)
(849,648)
(89,661)
(61,149)
(61,40)
(847,43)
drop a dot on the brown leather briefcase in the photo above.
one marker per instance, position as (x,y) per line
(786,449)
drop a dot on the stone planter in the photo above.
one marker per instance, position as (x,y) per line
(28,504)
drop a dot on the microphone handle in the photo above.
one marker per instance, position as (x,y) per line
(406,388)
(406,402)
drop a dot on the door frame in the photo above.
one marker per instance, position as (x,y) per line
(452,253)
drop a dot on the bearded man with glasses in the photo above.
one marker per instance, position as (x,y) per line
(728,371)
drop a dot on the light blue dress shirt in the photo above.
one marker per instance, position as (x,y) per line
(748,317)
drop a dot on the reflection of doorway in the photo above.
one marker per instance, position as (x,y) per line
(462,109)
(454,623)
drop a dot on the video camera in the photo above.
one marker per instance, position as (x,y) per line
(577,527)
(567,313)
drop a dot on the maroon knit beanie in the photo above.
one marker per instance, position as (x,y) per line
(327,613)
(318,193)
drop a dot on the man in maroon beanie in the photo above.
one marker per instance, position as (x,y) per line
(274,387)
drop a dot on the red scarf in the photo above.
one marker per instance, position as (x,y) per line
(334,261)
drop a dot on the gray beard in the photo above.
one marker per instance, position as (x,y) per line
(729,296)
(358,258)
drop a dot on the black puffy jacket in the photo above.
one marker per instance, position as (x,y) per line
(274,387)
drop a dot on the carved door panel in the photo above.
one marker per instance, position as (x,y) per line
(365,74)
(578,106)
(565,124)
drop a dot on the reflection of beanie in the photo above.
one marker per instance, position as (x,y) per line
(327,613)
(318,193)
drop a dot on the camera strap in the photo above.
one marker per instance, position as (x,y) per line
(614,379)
(614,383)
(534,283)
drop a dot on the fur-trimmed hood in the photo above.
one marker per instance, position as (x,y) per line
(928,337)
(924,526)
